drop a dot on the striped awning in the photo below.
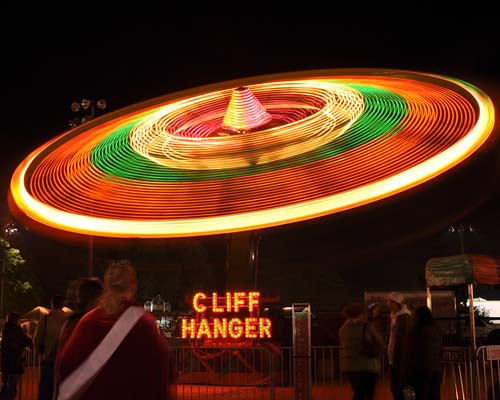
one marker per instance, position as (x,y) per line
(462,269)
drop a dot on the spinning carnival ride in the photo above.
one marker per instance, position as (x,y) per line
(262,152)
(252,153)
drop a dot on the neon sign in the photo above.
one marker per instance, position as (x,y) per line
(246,324)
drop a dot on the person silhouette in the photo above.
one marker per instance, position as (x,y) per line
(45,343)
(140,366)
(14,343)
(88,292)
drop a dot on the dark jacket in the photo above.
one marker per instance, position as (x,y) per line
(426,348)
(401,358)
(14,342)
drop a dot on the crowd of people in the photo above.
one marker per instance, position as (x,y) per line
(107,347)
(110,347)
(412,344)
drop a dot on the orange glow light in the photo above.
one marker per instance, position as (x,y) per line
(250,327)
(224,328)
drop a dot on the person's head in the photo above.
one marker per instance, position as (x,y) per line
(423,316)
(120,283)
(375,310)
(395,301)
(89,292)
(378,309)
(13,317)
(57,302)
(355,310)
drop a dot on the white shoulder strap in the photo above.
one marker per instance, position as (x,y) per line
(80,378)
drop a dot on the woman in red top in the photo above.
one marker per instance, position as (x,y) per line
(141,367)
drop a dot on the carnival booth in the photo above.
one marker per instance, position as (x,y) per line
(463,269)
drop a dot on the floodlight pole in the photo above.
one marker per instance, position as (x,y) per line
(89,107)
(4,264)
(461,229)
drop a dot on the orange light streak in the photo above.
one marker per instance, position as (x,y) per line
(446,121)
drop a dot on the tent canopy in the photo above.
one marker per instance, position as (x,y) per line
(462,269)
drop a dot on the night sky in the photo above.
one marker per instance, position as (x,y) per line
(49,63)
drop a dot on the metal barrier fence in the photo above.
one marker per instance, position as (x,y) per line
(28,384)
(266,372)
(488,372)
(263,372)
(458,374)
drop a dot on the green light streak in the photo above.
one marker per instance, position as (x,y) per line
(380,120)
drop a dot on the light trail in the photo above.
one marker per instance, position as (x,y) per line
(333,142)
